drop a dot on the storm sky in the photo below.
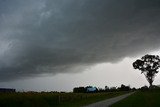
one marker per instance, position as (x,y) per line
(70,37)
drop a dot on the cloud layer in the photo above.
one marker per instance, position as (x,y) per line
(61,36)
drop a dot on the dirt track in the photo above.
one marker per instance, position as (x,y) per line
(108,102)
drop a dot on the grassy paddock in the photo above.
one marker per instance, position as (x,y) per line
(46,99)
(150,98)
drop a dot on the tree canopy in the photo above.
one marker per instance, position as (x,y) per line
(149,65)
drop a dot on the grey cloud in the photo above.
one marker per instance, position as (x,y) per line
(63,36)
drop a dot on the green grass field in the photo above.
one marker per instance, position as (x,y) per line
(33,99)
(150,98)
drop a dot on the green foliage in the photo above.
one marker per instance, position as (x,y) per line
(49,99)
(148,98)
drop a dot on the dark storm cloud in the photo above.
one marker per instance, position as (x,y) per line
(61,36)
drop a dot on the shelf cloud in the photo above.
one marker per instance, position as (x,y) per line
(68,36)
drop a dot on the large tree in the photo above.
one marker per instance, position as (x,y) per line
(149,65)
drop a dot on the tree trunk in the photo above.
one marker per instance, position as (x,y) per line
(150,85)
(150,79)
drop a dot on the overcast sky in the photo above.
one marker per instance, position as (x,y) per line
(60,44)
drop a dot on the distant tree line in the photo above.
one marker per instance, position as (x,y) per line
(91,89)
(121,88)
